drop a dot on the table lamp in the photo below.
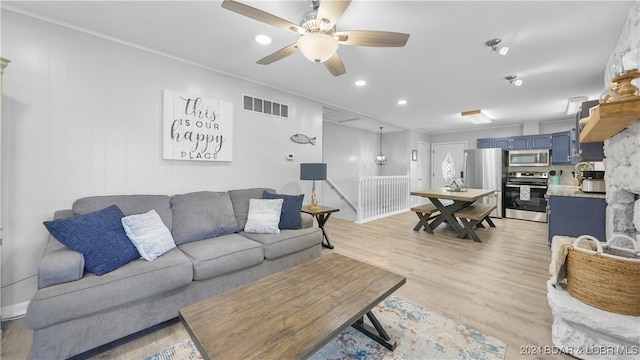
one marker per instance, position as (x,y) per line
(313,171)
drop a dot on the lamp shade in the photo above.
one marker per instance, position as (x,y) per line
(317,47)
(313,171)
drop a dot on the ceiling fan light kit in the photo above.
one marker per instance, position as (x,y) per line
(476,117)
(318,40)
(317,47)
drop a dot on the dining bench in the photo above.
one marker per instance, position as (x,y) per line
(472,217)
(425,213)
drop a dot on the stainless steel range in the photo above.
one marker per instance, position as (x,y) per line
(524,196)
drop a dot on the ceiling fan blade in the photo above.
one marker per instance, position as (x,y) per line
(330,11)
(261,16)
(278,55)
(335,65)
(372,38)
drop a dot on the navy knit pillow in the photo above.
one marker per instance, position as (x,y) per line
(290,213)
(99,236)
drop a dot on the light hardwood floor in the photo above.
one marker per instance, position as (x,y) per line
(497,287)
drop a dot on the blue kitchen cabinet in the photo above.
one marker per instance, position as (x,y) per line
(575,216)
(502,143)
(591,151)
(485,143)
(561,147)
(520,143)
(525,142)
(587,151)
(542,141)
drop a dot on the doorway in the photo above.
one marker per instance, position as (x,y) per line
(423,171)
(439,152)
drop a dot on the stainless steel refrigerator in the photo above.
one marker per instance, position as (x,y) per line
(487,169)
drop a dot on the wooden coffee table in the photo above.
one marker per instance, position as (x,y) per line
(292,314)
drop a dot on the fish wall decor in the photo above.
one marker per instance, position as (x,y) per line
(303,139)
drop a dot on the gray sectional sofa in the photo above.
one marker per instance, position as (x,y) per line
(74,310)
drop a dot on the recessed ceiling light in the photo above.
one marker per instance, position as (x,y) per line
(360,83)
(402,102)
(263,39)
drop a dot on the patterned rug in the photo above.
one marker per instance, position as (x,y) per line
(420,335)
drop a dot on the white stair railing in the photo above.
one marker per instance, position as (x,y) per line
(341,195)
(381,196)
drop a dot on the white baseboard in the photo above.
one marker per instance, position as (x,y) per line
(14,311)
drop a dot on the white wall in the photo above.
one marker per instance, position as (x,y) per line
(350,152)
(82,116)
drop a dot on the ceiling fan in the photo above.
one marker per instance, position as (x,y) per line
(319,39)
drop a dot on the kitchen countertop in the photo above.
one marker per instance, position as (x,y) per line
(570,191)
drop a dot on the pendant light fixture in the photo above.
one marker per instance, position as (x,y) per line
(381,159)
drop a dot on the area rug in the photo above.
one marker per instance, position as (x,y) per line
(420,335)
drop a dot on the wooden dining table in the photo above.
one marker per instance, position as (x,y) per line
(461,199)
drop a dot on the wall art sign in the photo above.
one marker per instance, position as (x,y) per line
(196,128)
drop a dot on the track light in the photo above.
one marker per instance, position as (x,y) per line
(512,80)
(493,44)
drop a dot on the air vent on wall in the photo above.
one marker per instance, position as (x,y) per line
(262,106)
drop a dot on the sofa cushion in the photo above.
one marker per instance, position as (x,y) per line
(287,241)
(137,280)
(221,255)
(201,215)
(149,234)
(264,216)
(129,204)
(291,209)
(99,236)
(240,200)
(60,266)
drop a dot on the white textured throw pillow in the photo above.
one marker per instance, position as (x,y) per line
(149,234)
(264,216)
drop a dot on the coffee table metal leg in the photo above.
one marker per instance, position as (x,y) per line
(376,333)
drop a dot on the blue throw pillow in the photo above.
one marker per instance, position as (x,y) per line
(99,236)
(290,214)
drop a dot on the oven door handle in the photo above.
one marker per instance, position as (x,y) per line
(531,186)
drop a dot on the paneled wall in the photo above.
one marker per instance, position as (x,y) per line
(82,115)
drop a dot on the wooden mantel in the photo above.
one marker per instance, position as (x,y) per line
(608,119)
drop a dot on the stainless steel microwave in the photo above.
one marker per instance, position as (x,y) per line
(529,158)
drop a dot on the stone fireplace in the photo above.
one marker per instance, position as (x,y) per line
(622,178)
(582,330)
(579,329)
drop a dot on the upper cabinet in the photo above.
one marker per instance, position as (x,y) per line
(485,143)
(520,143)
(503,143)
(542,141)
(525,142)
(563,147)
(593,151)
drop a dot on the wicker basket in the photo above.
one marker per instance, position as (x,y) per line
(604,281)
